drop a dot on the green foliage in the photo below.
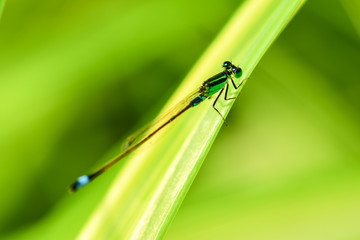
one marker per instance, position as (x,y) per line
(76,77)
(287,167)
(2,2)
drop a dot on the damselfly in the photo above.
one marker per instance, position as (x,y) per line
(217,83)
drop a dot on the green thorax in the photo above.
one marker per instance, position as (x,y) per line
(214,84)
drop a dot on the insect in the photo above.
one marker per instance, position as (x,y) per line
(215,84)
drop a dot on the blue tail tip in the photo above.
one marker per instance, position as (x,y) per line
(80,182)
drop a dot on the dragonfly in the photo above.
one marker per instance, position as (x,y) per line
(218,83)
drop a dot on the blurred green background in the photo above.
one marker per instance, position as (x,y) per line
(77,77)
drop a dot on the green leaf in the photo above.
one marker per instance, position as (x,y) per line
(352,8)
(2,4)
(139,197)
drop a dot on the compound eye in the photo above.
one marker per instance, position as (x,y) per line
(237,72)
(227,65)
